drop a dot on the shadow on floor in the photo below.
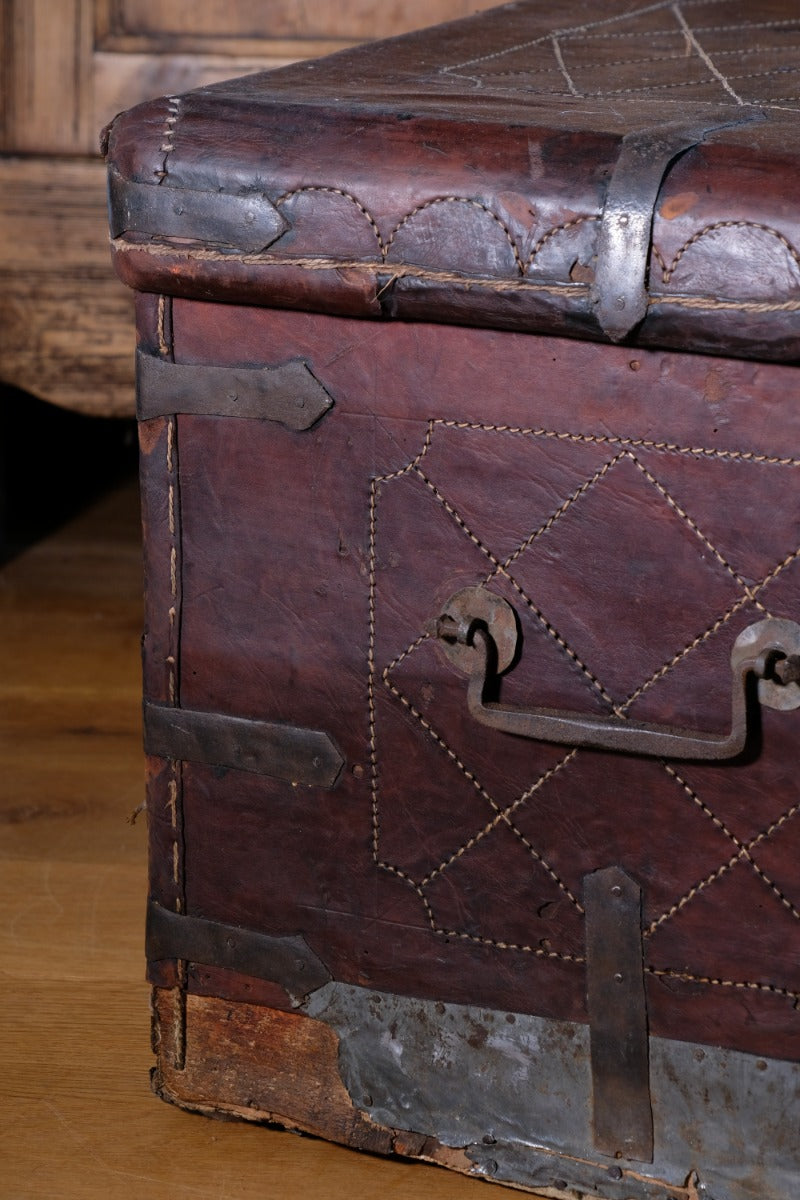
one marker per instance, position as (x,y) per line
(53,463)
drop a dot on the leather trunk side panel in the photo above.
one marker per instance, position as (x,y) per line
(638,509)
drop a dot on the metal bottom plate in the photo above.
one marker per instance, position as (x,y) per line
(515,1091)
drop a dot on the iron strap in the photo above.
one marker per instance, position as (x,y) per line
(248,222)
(288,394)
(615,999)
(619,292)
(289,752)
(288,961)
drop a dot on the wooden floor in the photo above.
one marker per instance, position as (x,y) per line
(77,1118)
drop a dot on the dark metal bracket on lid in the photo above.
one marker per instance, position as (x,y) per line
(616,1004)
(248,222)
(288,752)
(619,293)
(288,394)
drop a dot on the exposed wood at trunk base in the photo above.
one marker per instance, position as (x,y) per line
(260,1064)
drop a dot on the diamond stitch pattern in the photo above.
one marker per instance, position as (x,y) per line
(619,551)
(557,821)
(707,51)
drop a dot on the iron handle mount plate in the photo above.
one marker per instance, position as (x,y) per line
(478,632)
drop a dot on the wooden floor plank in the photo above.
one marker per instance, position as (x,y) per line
(77,1118)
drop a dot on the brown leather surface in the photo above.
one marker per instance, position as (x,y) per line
(637,511)
(460,174)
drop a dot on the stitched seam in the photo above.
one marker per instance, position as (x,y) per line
(457,200)
(688,977)
(562,66)
(410,271)
(742,853)
(538,951)
(635,62)
(439,740)
(175,780)
(751,591)
(570,31)
(668,272)
(502,815)
(741,28)
(473,779)
(163,348)
(691,41)
(742,850)
(346,196)
(613,440)
(372,718)
(560,511)
(697,531)
(706,304)
(395,691)
(715,628)
(373,746)
(555,230)
(705,81)
(167,144)
(500,569)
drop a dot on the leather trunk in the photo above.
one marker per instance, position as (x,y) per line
(471,481)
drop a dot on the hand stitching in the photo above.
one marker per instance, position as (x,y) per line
(713,629)
(668,272)
(549,628)
(168,135)
(457,200)
(556,230)
(742,853)
(345,195)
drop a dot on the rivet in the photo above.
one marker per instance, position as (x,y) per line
(367,1101)
(615,1172)
(623,219)
(616,890)
(488,1139)
(618,978)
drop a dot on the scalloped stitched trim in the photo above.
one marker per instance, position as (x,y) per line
(668,271)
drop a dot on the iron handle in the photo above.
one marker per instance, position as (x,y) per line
(768,651)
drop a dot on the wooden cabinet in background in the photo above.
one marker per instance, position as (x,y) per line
(66,329)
